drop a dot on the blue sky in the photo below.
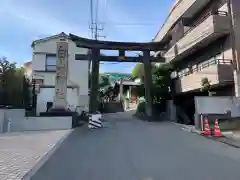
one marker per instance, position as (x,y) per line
(23,21)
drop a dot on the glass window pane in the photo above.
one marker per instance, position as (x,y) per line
(51,68)
(51,60)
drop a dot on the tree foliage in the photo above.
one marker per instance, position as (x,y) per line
(12,84)
(162,81)
(104,81)
(138,71)
(206,85)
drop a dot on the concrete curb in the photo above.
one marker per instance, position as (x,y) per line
(225,140)
(45,158)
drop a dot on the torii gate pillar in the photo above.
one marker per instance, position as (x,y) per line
(95,55)
(148,82)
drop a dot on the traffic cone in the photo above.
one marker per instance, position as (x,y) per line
(206,130)
(217,131)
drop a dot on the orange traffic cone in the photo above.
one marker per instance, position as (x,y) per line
(217,131)
(206,130)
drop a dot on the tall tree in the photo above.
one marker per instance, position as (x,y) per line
(12,83)
(7,73)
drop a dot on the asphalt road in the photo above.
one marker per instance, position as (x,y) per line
(135,150)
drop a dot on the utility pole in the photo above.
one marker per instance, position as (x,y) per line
(95,29)
(94,24)
(235,57)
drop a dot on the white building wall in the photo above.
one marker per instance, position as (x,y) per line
(77,74)
(47,95)
(39,60)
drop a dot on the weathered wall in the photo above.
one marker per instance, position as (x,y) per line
(217,105)
(47,123)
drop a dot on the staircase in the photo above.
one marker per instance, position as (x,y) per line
(113,107)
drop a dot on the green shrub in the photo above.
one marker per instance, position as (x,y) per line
(141,107)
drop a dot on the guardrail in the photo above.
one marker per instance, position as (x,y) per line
(203,65)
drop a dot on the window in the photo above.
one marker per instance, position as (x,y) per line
(50,62)
(39,81)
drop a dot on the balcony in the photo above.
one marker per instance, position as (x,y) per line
(217,71)
(204,32)
(181,8)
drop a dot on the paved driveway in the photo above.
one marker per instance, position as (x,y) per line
(131,149)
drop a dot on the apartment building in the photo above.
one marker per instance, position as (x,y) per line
(198,44)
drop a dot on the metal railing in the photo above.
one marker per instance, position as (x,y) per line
(200,66)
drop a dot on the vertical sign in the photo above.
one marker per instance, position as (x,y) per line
(60,101)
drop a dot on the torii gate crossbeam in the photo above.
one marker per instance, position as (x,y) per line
(95,46)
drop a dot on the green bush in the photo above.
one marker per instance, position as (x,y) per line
(141,107)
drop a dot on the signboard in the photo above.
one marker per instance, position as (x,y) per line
(60,99)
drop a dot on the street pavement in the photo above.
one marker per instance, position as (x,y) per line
(130,149)
(22,153)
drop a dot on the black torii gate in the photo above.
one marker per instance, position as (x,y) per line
(95,46)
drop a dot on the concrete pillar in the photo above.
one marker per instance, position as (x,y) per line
(235,40)
(236,74)
(173,111)
(148,82)
(94,81)
(130,93)
(60,98)
(121,90)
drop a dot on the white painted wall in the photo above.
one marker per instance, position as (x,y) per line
(47,94)
(20,123)
(217,105)
(77,73)
(47,123)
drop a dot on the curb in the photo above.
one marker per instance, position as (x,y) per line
(222,140)
(45,158)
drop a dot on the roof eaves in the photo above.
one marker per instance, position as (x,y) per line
(169,14)
(62,34)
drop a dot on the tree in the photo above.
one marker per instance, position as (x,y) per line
(138,71)
(162,81)
(7,70)
(104,81)
(206,86)
(12,84)
(26,93)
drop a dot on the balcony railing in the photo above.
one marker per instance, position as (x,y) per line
(220,13)
(199,67)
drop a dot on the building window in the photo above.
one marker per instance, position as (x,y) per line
(39,81)
(50,62)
